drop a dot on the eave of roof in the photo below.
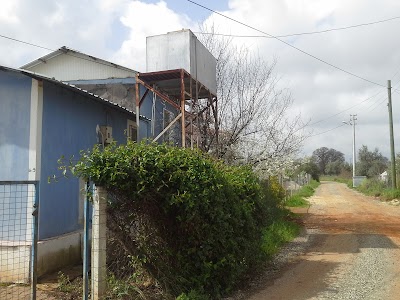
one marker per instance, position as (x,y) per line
(74,89)
(69,51)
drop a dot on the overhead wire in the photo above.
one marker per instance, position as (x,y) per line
(323,132)
(300,33)
(344,110)
(286,43)
(53,50)
(266,35)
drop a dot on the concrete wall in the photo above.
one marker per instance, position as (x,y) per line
(53,254)
(14,262)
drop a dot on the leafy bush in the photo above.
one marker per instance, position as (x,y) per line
(372,187)
(378,188)
(192,222)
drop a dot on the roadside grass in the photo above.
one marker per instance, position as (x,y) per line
(280,232)
(377,188)
(299,198)
(335,178)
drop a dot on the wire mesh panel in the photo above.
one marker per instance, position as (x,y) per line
(17,201)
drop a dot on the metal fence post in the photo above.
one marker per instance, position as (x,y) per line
(86,243)
(35,231)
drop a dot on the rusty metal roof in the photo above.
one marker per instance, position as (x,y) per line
(169,81)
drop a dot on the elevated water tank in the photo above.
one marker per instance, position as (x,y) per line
(182,50)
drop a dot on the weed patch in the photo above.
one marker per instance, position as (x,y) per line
(299,198)
(278,233)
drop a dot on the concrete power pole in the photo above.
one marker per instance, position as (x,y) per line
(353,122)
(353,119)
(392,153)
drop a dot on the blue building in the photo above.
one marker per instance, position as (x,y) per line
(80,101)
(42,119)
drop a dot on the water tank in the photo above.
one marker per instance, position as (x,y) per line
(182,50)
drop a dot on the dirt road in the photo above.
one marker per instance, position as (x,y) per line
(353,251)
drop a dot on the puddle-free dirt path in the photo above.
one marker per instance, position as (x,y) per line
(354,251)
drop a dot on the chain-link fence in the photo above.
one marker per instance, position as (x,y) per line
(18,239)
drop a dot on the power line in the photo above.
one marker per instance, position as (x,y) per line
(301,33)
(375,104)
(52,50)
(326,131)
(27,43)
(288,44)
(342,111)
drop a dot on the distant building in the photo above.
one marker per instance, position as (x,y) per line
(384,176)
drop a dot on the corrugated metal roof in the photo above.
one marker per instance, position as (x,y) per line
(69,51)
(74,89)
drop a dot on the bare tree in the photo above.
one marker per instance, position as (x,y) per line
(254,122)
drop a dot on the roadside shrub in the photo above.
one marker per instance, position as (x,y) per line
(372,187)
(389,194)
(193,223)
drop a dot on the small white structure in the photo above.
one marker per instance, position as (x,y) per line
(384,176)
(66,64)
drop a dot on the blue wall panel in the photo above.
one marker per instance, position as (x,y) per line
(69,126)
(15,99)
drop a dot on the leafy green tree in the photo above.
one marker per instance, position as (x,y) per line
(309,167)
(328,158)
(370,163)
(334,167)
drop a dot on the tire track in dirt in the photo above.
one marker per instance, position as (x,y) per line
(353,251)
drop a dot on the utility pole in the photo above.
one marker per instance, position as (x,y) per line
(352,122)
(353,119)
(392,154)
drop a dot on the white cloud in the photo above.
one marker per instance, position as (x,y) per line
(146,20)
(8,12)
(319,90)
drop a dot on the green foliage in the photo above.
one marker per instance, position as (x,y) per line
(389,194)
(192,295)
(328,161)
(64,284)
(372,187)
(276,234)
(312,169)
(378,188)
(340,179)
(298,199)
(193,223)
(370,163)
(123,289)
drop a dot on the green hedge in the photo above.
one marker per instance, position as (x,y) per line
(193,222)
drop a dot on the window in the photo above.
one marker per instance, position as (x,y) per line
(132,130)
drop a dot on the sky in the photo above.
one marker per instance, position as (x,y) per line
(325,96)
